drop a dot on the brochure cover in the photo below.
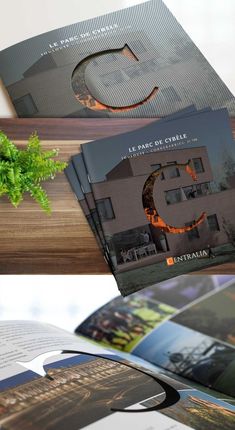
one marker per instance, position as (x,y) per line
(185,325)
(77,176)
(79,181)
(136,62)
(56,380)
(163,194)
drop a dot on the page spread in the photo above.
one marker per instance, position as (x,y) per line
(94,389)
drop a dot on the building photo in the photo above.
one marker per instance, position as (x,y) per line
(180,201)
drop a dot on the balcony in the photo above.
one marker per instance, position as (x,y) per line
(191,192)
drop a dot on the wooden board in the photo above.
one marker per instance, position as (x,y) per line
(34,243)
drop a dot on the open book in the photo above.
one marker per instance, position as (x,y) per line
(183,328)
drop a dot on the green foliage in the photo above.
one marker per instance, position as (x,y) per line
(229,230)
(23,170)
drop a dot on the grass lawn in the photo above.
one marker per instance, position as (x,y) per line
(122,342)
(130,345)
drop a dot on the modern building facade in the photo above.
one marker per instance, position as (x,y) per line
(53,83)
(74,397)
(179,199)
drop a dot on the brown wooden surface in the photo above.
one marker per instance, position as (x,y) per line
(34,243)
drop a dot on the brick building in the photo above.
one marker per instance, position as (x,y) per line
(179,199)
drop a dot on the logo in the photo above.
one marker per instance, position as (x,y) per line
(82,92)
(170,261)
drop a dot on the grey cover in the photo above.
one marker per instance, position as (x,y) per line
(136,62)
(195,212)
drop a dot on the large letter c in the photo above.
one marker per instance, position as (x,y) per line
(83,93)
(150,209)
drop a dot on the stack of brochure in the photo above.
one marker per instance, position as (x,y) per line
(159,198)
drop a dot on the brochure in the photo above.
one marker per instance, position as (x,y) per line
(185,325)
(136,62)
(78,192)
(50,378)
(87,204)
(163,194)
(77,176)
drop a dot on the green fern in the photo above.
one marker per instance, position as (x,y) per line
(23,171)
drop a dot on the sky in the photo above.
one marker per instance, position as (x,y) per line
(168,338)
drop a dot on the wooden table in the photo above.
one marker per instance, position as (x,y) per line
(35,243)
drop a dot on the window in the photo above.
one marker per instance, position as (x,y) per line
(194,233)
(148,66)
(173,171)
(198,166)
(203,189)
(213,223)
(170,95)
(109,58)
(173,196)
(133,71)
(157,167)
(112,78)
(105,209)
(189,192)
(197,190)
(138,47)
(25,106)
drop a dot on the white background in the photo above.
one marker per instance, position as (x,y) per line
(67,300)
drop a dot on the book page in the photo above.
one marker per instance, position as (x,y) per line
(184,325)
(96,392)
(24,341)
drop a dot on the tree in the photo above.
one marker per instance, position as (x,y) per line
(229,230)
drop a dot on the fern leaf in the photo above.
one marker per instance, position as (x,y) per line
(50,154)
(3,189)
(15,197)
(7,149)
(40,195)
(34,144)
